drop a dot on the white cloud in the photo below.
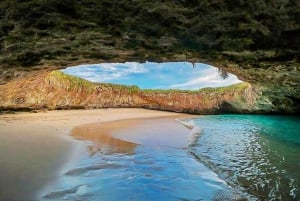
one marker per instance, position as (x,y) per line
(106,67)
(107,71)
(133,67)
(179,75)
(209,78)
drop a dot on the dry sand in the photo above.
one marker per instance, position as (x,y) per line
(34,147)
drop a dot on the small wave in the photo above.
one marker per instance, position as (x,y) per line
(228,196)
(195,134)
(189,124)
(62,193)
(195,131)
(81,170)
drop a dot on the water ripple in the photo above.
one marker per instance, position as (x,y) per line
(243,151)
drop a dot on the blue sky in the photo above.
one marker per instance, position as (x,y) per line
(149,75)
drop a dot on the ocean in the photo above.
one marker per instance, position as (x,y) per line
(258,155)
(228,157)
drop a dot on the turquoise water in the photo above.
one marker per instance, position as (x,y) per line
(229,157)
(256,154)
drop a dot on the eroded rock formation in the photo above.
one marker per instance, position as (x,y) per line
(56,90)
(257,40)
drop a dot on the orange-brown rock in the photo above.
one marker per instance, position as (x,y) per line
(56,90)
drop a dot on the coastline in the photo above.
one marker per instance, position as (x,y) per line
(36,147)
(143,158)
(159,131)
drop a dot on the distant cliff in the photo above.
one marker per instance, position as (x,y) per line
(57,90)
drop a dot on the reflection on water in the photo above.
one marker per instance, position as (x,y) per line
(259,154)
(103,141)
(120,170)
(161,174)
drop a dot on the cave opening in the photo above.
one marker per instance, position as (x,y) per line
(151,75)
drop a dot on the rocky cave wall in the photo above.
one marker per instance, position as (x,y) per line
(257,40)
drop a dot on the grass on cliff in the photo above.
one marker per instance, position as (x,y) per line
(121,87)
(231,88)
(71,82)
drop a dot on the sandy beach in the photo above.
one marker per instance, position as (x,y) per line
(128,133)
(35,147)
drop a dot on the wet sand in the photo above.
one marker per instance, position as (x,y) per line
(123,136)
(35,147)
(138,159)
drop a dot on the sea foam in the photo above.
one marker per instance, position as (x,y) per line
(195,131)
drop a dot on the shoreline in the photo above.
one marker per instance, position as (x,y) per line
(137,158)
(44,140)
(126,133)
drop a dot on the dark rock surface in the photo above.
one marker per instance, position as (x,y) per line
(257,40)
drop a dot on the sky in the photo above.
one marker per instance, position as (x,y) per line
(150,75)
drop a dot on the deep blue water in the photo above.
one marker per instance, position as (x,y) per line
(256,154)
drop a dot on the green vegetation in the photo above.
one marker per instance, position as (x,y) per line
(232,88)
(72,82)
(120,87)
(75,83)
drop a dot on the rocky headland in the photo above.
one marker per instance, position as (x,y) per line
(57,90)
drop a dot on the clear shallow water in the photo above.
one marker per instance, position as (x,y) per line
(114,169)
(235,157)
(259,155)
(159,174)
